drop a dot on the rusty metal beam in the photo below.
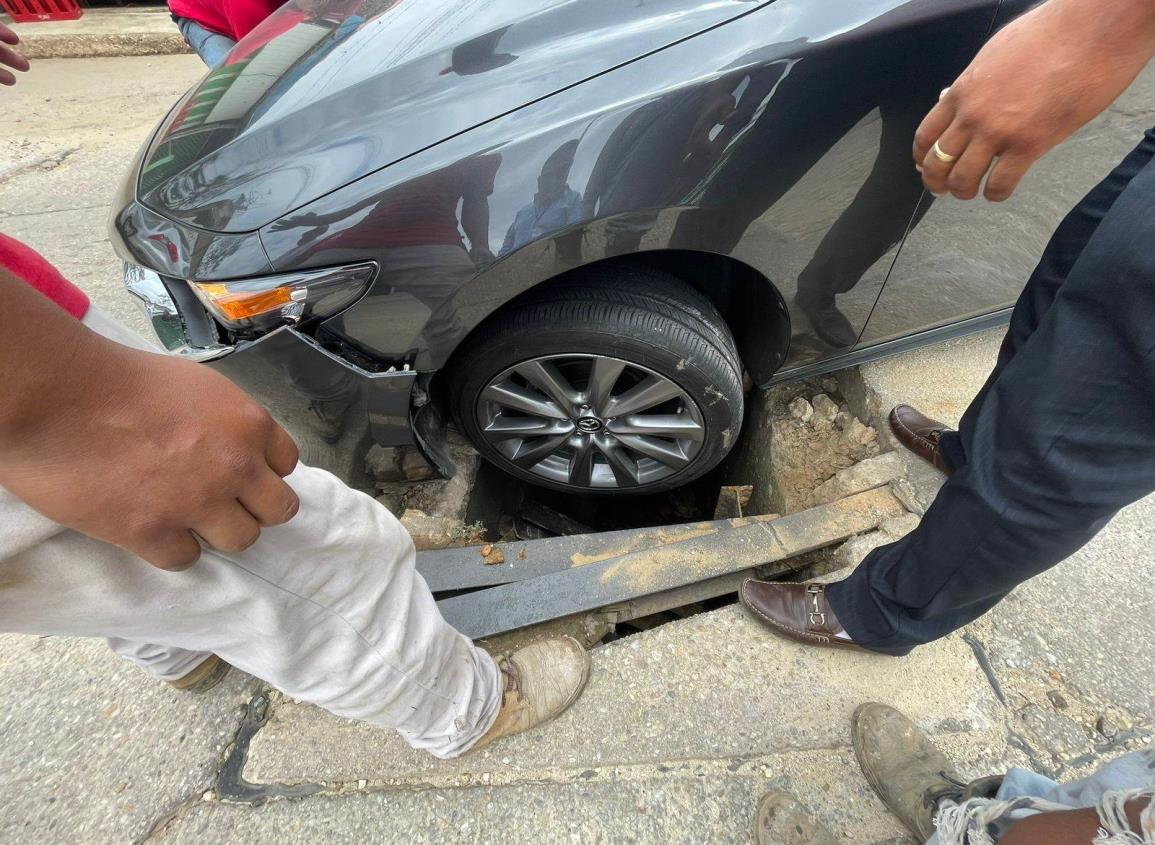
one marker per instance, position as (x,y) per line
(466,567)
(711,551)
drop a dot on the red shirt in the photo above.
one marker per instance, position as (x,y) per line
(27,264)
(234,18)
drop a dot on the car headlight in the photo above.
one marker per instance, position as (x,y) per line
(264,303)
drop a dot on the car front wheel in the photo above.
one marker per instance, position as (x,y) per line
(622,381)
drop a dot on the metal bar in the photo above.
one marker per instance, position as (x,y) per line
(692,593)
(724,549)
(465,568)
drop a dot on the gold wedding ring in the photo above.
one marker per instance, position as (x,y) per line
(945,158)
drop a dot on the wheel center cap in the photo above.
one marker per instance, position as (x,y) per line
(589,424)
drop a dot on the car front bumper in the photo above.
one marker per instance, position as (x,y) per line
(333,409)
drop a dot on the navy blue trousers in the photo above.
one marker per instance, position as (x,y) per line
(1061,436)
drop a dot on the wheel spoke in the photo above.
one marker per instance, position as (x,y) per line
(624,469)
(583,420)
(646,394)
(530,453)
(548,379)
(667,453)
(518,398)
(677,426)
(604,374)
(582,465)
(506,428)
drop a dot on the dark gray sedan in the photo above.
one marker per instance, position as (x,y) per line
(571,227)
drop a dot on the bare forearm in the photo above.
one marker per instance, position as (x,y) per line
(170,451)
(44,349)
(1065,827)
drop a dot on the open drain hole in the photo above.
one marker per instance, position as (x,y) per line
(796,439)
(510,509)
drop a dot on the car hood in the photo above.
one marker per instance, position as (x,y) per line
(327,91)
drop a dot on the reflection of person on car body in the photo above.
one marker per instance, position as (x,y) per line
(555,205)
(416,236)
(832,88)
(1060,437)
(213,27)
(634,174)
(272,566)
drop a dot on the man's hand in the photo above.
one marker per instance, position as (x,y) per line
(1033,84)
(9,57)
(138,449)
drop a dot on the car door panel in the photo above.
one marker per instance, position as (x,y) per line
(970,258)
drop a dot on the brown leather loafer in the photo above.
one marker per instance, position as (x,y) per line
(798,612)
(920,434)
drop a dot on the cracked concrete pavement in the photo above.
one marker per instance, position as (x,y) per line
(683,726)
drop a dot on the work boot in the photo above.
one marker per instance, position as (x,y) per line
(920,434)
(907,770)
(541,681)
(207,674)
(780,820)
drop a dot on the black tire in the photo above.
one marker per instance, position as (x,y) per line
(645,317)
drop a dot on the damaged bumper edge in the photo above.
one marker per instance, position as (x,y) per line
(334,409)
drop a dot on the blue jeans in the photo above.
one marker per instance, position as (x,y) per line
(1026,793)
(1058,440)
(211,46)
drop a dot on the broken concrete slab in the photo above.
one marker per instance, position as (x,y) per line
(852,552)
(448,498)
(917,378)
(714,686)
(919,486)
(439,532)
(867,474)
(787,449)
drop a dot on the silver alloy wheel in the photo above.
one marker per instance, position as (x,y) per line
(591,421)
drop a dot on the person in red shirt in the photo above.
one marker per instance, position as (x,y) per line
(213,27)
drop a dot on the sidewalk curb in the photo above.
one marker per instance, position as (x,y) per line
(103,46)
(102,33)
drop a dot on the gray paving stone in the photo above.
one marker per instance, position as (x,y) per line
(95,750)
(713,686)
(679,802)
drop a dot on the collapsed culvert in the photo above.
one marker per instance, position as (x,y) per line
(804,493)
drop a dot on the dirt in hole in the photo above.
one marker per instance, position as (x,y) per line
(795,438)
